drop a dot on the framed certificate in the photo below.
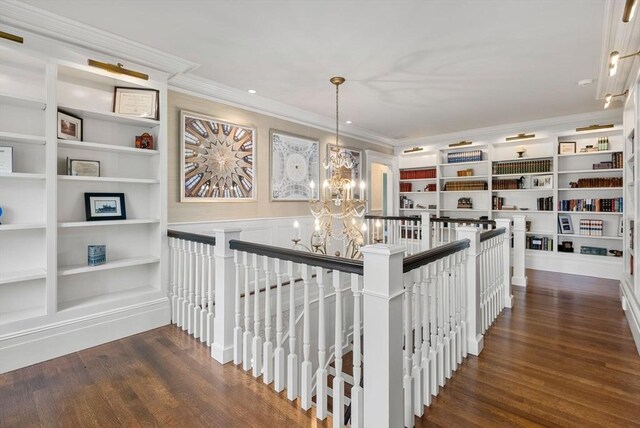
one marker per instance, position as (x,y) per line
(84,168)
(136,102)
(6,159)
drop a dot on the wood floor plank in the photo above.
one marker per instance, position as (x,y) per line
(562,357)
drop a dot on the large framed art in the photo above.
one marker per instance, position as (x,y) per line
(355,173)
(218,160)
(295,163)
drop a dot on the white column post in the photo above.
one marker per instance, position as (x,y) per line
(506,261)
(425,224)
(383,289)
(519,239)
(225,289)
(475,340)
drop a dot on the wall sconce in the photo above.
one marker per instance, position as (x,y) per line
(520,136)
(614,57)
(11,37)
(608,98)
(629,10)
(413,150)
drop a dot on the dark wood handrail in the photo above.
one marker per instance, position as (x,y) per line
(463,220)
(386,217)
(194,237)
(485,236)
(312,259)
(425,257)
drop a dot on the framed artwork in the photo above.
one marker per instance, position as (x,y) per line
(84,168)
(295,163)
(542,182)
(69,126)
(144,141)
(218,160)
(355,173)
(136,102)
(104,206)
(564,224)
(566,147)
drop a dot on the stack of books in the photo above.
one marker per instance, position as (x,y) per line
(522,167)
(545,204)
(505,184)
(591,227)
(609,205)
(465,185)
(415,174)
(600,182)
(468,156)
(541,243)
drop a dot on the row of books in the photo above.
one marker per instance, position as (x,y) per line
(408,187)
(542,243)
(591,227)
(545,204)
(505,184)
(617,159)
(414,174)
(600,182)
(609,205)
(468,156)
(466,185)
(523,167)
(497,203)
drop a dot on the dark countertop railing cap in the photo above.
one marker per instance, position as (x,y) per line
(194,237)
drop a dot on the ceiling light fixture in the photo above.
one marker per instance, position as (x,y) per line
(521,136)
(614,58)
(118,69)
(629,10)
(608,98)
(11,37)
(252,91)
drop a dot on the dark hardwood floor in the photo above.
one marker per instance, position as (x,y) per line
(563,356)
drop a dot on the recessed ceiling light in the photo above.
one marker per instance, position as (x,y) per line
(585,82)
(252,91)
(348,122)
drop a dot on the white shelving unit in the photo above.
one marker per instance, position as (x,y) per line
(46,286)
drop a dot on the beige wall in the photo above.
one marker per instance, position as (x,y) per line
(376,186)
(262,207)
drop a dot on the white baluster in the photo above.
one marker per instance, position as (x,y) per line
(447,321)
(357,393)
(440,303)
(204,293)
(435,367)
(321,373)
(418,407)
(338,381)
(172,271)
(209,316)
(256,348)
(188,285)
(193,271)
(458,303)
(195,311)
(452,313)
(463,312)
(267,351)
(176,279)
(306,374)
(426,314)
(292,359)
(182,282)
(237,331)
(279,381)
(407,380)
(247,337)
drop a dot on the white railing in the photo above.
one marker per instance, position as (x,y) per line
(290,316)
(403,231)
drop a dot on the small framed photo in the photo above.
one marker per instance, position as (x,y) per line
(83,168)
(621,227)
(566,147)
(69,126)
(136,102)
(542,182)
(6,159)
(104,206)
(144,141)
(564,224)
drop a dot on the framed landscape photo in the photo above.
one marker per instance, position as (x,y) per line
(295,163)
(564,224)
(69,126)
(83,168)
(354,173)
(104,206)
(566,147)
(217,161)
(136,102)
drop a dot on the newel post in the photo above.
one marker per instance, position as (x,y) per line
(224,275)
(519,240)
(382,315)
(475,340)
(425,242)
(506,261)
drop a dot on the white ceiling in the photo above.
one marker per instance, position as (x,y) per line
(413,68)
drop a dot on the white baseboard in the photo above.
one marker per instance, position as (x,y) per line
(631,307)
(42,344)
(576,264)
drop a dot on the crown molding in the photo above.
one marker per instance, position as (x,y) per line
(549,125)
(41,22)
(214,91)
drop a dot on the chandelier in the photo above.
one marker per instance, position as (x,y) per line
(338,213)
